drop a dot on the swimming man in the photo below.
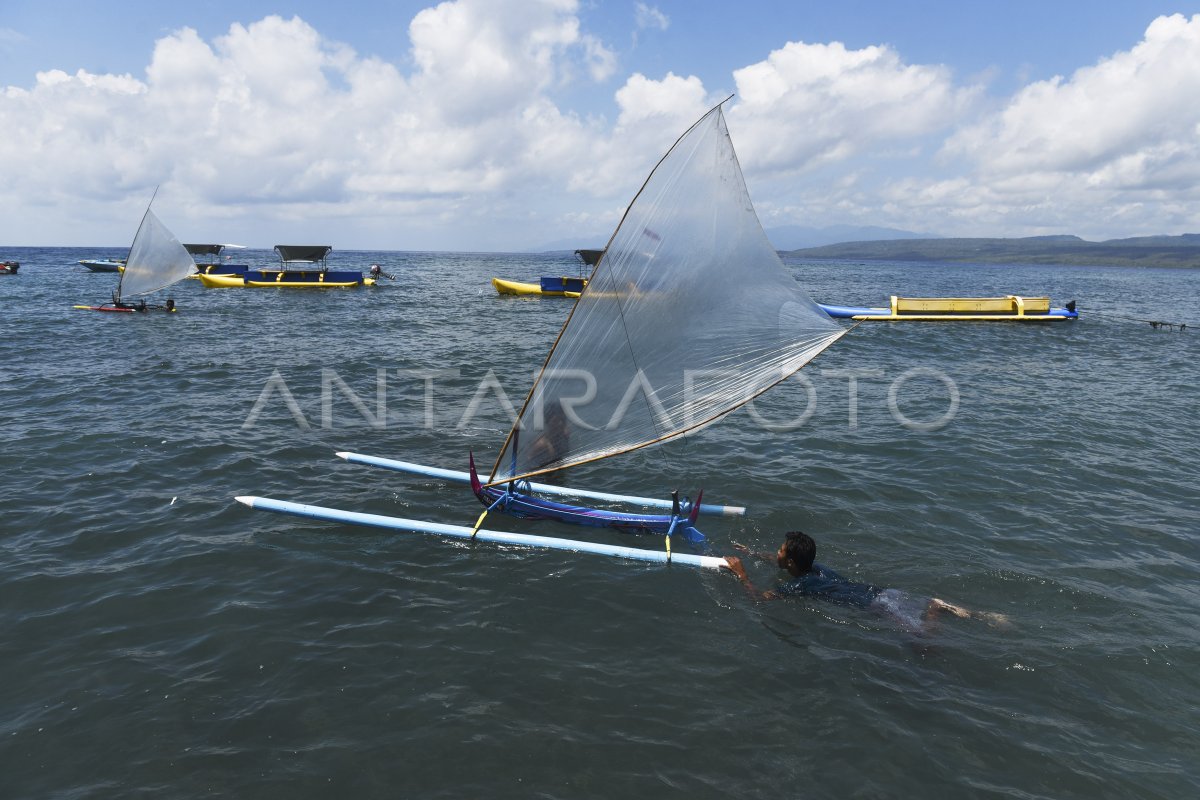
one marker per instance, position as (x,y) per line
(810,579)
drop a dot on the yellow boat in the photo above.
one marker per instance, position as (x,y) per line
(1010,308)
(314,274)
(287,279)
(516,287)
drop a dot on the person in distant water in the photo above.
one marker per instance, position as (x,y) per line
(554,442)
(810,579)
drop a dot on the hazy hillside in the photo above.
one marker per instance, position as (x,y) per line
(1147,251)
(784,237)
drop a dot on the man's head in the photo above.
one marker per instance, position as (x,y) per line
(797,552)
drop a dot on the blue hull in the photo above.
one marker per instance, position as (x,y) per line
(223,269)
(525,506)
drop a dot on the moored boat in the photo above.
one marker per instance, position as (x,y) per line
(9,267)
(156,260)
(208,259)
(1010,308)
(546,287)
(300,267)
(552,285)
(103,264)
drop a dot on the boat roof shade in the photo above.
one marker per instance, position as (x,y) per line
(205,249)
(303,252)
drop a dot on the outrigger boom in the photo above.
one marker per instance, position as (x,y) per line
(462,532)
(455,476)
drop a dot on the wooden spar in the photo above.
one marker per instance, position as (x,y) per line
(462,532)
(464,477)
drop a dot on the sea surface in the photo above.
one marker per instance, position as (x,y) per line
(161,640)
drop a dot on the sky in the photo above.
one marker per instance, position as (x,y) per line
(514,125)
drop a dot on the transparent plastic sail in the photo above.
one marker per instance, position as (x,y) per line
(156,259)
(688,315)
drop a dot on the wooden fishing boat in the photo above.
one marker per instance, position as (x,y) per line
(656,368)
(9,267)
(547,287)
(554,285)
(208,259)
(1010,308)
(300,267)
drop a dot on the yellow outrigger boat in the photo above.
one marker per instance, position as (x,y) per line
(314,274)
(549,287)
(295,280)
(1010,308)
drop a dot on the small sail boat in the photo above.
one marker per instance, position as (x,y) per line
(688,316)
(156,260)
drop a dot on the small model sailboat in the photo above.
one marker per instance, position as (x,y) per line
(156,260)
(688,316)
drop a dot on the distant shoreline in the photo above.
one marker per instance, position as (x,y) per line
(1151,251)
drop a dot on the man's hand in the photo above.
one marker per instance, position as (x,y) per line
(735,566)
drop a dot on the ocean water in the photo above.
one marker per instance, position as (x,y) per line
(162,640)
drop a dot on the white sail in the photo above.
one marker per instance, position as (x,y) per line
(688,315)
(156,259)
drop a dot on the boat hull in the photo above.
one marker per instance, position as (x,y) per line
(286,279)
(113,309)
(1011,308)
(548,287)
(102,265)
(514,502)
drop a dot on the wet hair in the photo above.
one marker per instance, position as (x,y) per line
(800,547)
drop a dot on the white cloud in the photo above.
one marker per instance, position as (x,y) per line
(810,104)
(271,116)
(276,129)
(1112,147)
(650,17)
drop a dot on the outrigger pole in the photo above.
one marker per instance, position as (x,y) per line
(545,488)
(463,532)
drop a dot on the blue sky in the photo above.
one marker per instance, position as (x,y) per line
(506,124)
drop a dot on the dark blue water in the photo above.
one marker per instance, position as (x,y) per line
(160,639)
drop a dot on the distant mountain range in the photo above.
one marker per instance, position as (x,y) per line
(784,237)
(1146,251)
(869,243)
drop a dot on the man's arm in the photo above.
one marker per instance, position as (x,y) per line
(737,568)
(741,548)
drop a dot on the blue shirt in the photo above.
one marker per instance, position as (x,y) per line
(824,584)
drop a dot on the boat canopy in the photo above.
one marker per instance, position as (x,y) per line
(204,249)
(307,253)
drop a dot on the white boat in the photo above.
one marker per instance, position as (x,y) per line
(104,264)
